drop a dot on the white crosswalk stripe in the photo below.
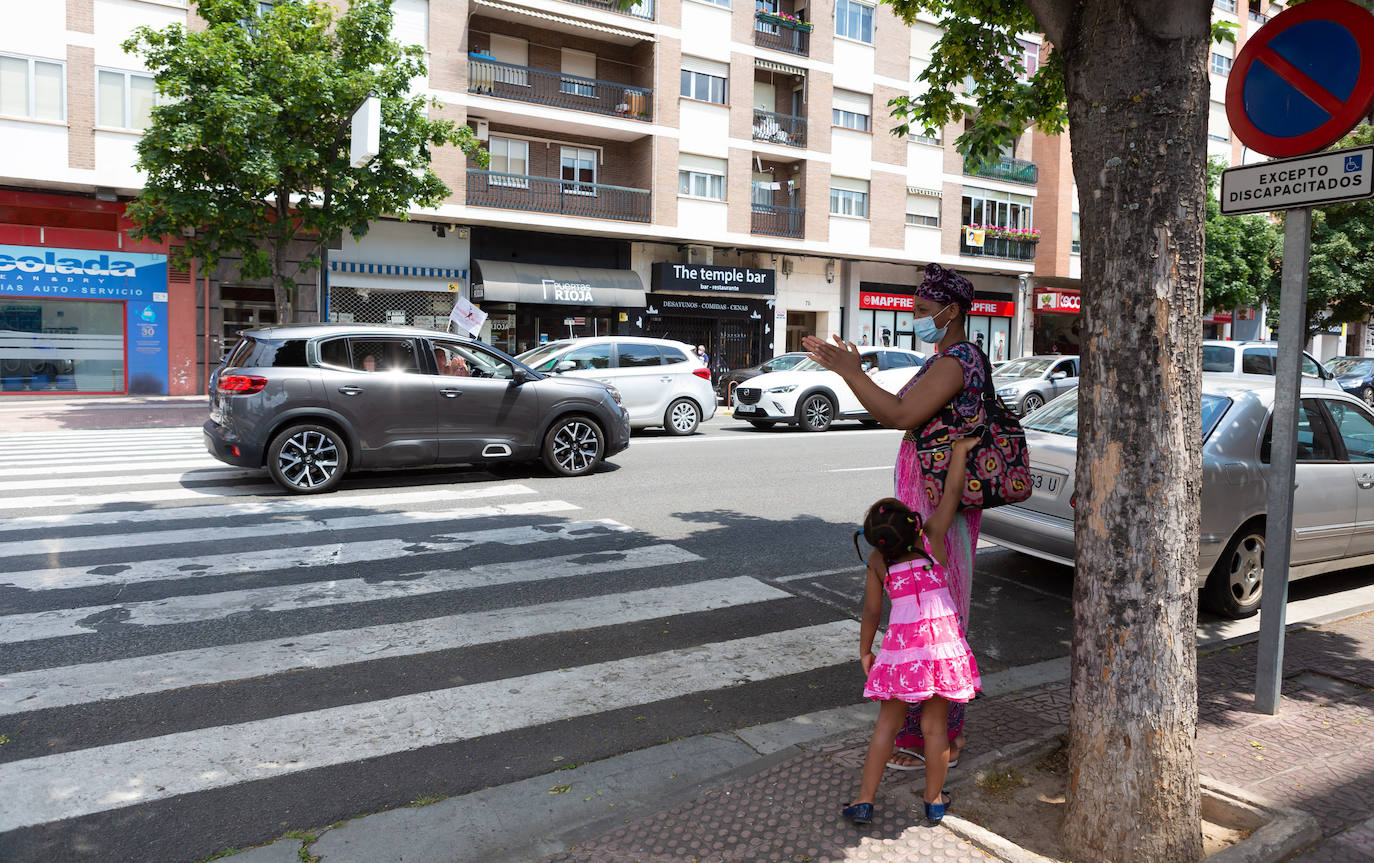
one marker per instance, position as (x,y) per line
(138,589)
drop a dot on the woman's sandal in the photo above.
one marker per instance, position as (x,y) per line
(935,812)
(920,759)
(859,813)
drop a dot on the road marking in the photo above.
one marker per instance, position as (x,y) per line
(207,475)
(8,455)
(886,467)
(775,437)
(86,781)
(208,493)
(820,574)
(200,608)
(122,678)
(332,554)
(67,467)
(55,546)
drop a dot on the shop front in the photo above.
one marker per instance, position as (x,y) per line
(406,273)
(726,309)
(1217,325)
(1057,326)
(529,304)
(886,314)
(81,321)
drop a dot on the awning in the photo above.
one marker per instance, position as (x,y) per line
(772,65)
(513,282)
(924,193)
(571,23)
(394,277)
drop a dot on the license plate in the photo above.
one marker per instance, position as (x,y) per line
(1047,484)
(744,409)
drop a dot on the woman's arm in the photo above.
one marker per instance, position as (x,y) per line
(937,387)
(940,520)
(873,609)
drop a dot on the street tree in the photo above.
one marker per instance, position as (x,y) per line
(1239,267)
(1130,78)
(248,150)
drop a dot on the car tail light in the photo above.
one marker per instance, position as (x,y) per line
(1073,500)
(703,373)
(234,451)
(242,384)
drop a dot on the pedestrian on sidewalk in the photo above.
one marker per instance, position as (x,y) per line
(924,658)
(948,386)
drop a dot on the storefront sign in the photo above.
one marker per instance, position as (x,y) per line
(886,302)
(1217,318)
(723,308)
(712,279)
(1057,302)
(137,280)
(993,308)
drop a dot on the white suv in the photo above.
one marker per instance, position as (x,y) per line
(661,382)
(1259,358)
(811,397)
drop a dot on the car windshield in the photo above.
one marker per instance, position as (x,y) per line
(1022,369)
(808,365)
(1218,358)
(1061,415)
(534,356)
(1351,366)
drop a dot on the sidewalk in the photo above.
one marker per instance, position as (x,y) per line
(713,799)
(56,413)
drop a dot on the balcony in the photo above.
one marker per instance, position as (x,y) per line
(541,87)
(781,34)
(783,129)
(1011,170)
(996,247)
(777,221)
(642,9)
(561,197)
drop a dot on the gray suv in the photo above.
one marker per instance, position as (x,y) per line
(310,402)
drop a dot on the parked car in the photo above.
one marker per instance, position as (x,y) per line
(810,396)
(1355,375)
(735,377)
(1028,383)
(1258,358)
(312,402)
(662,382)
(1333,498)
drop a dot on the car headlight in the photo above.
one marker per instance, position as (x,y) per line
(615,393)
(782,389)
(1006,391)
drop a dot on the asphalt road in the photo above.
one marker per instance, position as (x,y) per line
(190,661)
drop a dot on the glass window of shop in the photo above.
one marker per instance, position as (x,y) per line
(61,345)
(887,329)
(991,334)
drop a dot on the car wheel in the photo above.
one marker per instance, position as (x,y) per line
(573,446)
(682,417)
(815,413)
(763,424)
(307,459)
(1235,585)
(1368,395)
(1032,402)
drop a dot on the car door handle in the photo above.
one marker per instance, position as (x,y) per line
(350,390)
(451,394)
(1365,480)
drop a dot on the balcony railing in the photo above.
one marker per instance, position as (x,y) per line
(1012,250)
(643,9)
(1011,170)
(781,35)
(777,221)
(552,195)
(779,128)
(542,87)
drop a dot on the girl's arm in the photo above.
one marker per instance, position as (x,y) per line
(940,520)
(937,387)
(873,609)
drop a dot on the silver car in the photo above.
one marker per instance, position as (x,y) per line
(310,402)
(1028,383)
(1333,503)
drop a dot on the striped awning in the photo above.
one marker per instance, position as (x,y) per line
(760,63)
(567,22)
(397,270)
(925,193)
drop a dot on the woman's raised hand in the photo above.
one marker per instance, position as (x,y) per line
(842,357)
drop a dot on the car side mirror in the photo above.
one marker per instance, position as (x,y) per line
(564,366)
(522,375)
(1059,376)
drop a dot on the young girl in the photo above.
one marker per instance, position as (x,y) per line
(924,657)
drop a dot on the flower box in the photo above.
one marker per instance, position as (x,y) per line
(783,20)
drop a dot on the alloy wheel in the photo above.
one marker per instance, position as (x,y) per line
(1368,395)
(1245,576)
(308,459)
(1033,402)
(817,413)
(576,446)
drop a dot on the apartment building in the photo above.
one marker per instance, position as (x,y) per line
(717,172)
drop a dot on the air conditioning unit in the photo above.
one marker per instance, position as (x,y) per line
(699,254)
(483,130)
(786,266)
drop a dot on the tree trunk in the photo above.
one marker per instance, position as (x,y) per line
(1136,75)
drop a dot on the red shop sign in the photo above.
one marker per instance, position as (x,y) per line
(993,308)
(886,302)
(1057,302)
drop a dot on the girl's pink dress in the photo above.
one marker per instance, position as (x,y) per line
(924,653)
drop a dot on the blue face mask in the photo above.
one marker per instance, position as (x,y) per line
(926,330)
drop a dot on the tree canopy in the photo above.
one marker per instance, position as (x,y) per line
(247,151)
(1240,264)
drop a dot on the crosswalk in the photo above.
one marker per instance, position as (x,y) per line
(181,643)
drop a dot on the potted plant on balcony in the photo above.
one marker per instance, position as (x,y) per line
(783,19)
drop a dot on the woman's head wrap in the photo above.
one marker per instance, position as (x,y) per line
(946,286)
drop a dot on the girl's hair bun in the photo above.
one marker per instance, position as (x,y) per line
(892,527)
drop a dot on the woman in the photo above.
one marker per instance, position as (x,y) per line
(952,378)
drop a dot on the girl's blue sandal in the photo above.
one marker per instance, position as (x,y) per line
(859,813)
(935,812)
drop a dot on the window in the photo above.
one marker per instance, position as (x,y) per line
(513,52)
(454,359)
(509,156)
(850,120)
(265,353)
(1314,438)
(696,184)
(1221,64)
(579,171)
(854,20)
(851,110)
(594,356)
(124,100)
(725,3)
(1030,57)
(370,355)
(703,87)
(1218,127)
(1075,244)
(998,209)
(929,136)
(923,211)
(631,356)
(1355,429)
(33,88)
(1217,358)
(850,198)
(583,65)
(1225,5)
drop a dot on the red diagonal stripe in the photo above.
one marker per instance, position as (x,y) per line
(1299,79)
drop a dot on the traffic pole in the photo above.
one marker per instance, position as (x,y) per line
(1278,529)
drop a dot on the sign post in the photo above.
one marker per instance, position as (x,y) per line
(1299,84)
